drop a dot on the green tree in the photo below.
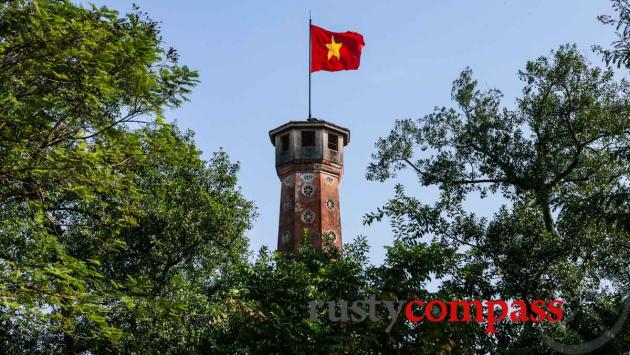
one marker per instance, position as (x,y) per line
(619,53)
(263,307)
(111,225)
(561,148)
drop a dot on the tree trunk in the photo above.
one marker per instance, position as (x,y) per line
(542,199)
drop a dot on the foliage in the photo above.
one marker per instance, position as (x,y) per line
(116,237)
(263,307)
(550,161)
(110,222)
(619,54)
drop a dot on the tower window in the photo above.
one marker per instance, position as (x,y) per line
(332,141)
(308,217)
(307,190)
(308,138)
(286,236)
(284,142)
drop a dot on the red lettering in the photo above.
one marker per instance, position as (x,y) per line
(555,308)
(428,310)
(491,315)
(409,311)
(521,311)
(539,313)
(466,305)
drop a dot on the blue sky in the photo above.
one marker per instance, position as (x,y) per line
(253,65)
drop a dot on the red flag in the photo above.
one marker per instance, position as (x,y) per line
(333,51)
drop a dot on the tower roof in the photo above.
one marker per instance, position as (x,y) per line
(310,124)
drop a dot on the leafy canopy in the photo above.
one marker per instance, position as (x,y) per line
(110,222)
(558,161)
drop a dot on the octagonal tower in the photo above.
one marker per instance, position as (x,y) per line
(309,163)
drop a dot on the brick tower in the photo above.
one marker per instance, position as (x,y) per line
(309,163)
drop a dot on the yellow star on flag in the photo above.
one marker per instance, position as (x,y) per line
(333,48)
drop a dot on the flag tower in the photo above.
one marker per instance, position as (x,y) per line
(309,163)
(309,154)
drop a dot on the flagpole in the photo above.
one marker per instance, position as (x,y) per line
(309,65)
